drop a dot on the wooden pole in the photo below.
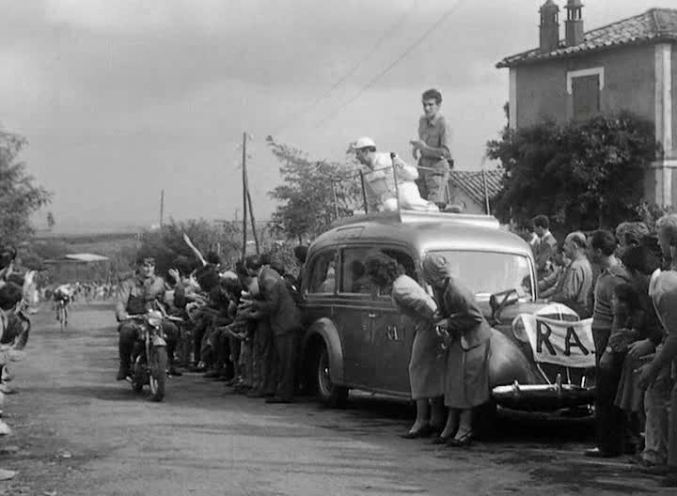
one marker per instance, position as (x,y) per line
(244,195)
(397,188)
(162,208)
(251,216)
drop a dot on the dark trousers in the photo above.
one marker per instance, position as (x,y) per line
(263,380)
(284,364)
(609,419)
(199,331)
(222,348)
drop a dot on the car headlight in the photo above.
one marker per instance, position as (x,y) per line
(519,331)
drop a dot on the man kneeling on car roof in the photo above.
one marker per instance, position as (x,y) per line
(379,182)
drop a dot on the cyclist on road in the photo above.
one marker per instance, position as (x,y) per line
(63,295)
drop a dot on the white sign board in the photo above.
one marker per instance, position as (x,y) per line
(560,342)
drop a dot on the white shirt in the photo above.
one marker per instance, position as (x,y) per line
(380,185)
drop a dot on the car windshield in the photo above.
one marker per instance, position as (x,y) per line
(486,273)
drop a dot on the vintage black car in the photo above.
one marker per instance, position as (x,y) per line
(355,337)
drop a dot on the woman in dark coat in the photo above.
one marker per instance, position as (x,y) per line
(426,365)
(467,371)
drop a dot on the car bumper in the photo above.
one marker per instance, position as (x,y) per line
(542,397)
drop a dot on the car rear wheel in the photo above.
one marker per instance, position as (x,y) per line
(329,393)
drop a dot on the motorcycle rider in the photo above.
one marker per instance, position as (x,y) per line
(136,296)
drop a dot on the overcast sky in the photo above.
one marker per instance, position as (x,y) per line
(120,99)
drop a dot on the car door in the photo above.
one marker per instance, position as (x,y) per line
(354,315)
(393,335)
(318,287)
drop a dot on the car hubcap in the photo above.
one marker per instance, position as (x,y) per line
(324,376)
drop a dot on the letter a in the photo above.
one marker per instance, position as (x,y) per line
(573,340)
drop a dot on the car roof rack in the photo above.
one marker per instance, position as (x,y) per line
(419,217)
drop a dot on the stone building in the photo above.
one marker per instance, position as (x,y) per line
(628,65)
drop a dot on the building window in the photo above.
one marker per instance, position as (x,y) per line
(585,88)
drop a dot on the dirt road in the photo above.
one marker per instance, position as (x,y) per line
(78,432)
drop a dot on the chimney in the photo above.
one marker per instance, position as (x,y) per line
(549,28)
(573,26)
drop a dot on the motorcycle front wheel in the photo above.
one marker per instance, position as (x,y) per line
(158,372)
(138,374)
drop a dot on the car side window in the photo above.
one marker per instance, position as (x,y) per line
(354,278)
(404,260)
(323,273)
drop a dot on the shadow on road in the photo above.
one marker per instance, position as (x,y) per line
(510,426)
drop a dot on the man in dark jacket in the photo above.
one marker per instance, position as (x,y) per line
(278,306)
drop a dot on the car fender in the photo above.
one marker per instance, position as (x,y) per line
(325,330)
(508,363)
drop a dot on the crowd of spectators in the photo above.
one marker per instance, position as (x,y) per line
(625,281)
(239,325)
(243,326)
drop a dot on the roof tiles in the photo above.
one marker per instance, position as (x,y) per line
(652,26)
(472,183)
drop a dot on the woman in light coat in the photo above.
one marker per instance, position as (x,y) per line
(467,369)
(426,365)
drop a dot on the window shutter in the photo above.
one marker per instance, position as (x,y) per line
(586,96)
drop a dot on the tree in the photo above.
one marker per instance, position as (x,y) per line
(583,175)
(19,195)
(167,244)
(309,202)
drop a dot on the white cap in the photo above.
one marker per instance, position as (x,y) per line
(363,142)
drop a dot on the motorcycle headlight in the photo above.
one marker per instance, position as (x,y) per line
(154,321)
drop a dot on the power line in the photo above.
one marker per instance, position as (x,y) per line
(399,59)
(354,68)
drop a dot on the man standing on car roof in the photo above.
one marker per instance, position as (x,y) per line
(432,149)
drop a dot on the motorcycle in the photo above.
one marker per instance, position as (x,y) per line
(149,361)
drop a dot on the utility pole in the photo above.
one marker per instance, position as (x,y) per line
(244,195)
(253,221)
(247,201)
(162,207)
